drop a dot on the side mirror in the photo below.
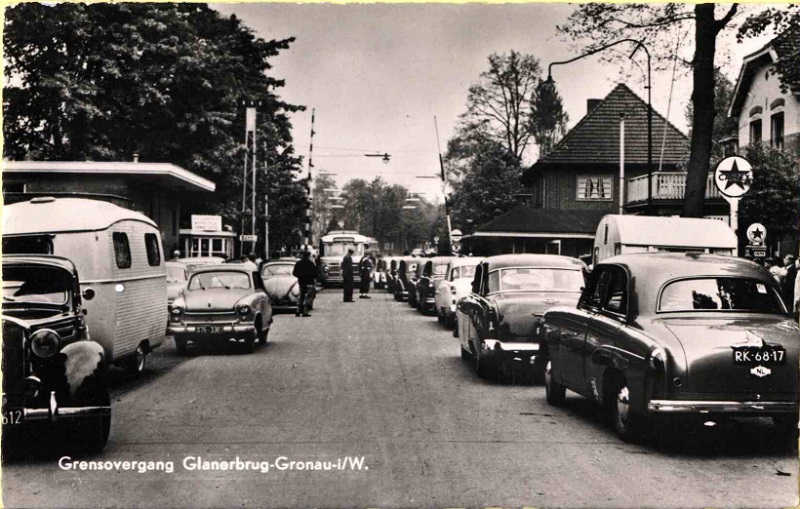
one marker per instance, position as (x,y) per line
(88,294)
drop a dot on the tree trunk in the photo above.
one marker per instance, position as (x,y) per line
(703,106)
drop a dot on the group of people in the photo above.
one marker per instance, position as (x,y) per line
(366,269)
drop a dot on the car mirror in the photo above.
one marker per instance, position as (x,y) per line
(88,294)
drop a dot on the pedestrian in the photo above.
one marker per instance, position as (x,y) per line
(306,273)
(347,275)
(249,261)
(787,286)
(365,268)
(176,255)
(776,269)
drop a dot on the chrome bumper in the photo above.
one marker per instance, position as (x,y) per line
(53,413)
(722,407)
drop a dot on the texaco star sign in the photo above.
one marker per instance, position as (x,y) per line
(733,176)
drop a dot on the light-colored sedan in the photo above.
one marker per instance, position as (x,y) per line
(455,285)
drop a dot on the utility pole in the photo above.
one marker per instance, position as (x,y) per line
(309,182)
(249,178)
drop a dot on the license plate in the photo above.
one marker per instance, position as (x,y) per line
(209,329)
(749,355)
(12,417)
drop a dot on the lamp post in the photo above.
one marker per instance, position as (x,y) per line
(639,44)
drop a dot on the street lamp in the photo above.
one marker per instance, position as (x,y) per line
(639,44)
(384,157)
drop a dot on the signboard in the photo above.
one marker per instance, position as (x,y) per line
(436,240)
(455,247)
(756,250)
(207,223)
(733,176)
(455,235)
(248,238)
(756,233)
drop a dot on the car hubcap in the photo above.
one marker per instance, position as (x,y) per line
(548,375)
(139,359)
(623,406)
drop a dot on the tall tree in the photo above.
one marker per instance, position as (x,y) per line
(724,126)
(548,120)
(785,22)
(167,81)
(321,211)
(599,24)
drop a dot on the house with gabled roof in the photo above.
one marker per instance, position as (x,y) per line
(578,181)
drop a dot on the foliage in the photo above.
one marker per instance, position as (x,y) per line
(102,82)
(774,194)
(548,120)
(322,215)
(784,21)
(724,126)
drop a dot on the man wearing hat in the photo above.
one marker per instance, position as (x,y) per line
(347,275)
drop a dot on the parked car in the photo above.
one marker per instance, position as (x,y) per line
(688,335)
(220,303)
(379,278)
(391,273)
(497,321)
(198,261)
(177,277)
(52,372)
(456,284)
(406,270)
(280,284)
(119,256)
(413,278)
(433,272)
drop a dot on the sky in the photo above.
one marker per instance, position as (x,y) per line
(377,75)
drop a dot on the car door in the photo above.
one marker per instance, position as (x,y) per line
(572,341)
(466,310)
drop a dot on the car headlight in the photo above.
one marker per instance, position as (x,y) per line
(243,309)
(325,269)
(176,310)
(45,343)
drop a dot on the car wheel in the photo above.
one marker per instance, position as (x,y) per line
(555,393)
(627,426)
(439,318)
(465,354)
(90,434)
(135,364)
(263,337)
(180,345)
(450,321)
(481,369)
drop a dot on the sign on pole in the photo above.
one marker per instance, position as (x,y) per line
(436,240)
(455,247)
(733,178)
(455,235)
(756,233)
(248,238)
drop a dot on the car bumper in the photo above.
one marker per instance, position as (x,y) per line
(191,332)
(497,351)
(722,407)
(54,413)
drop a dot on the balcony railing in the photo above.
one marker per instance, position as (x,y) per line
(666,186)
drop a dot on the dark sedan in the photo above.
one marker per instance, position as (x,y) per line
(497,321)
(688,335)
(433,272)
(406,272)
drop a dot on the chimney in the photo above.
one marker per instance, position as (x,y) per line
(136,158)
(592,104)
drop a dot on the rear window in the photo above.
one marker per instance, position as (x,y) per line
(221,279)
(33,244)
(122,250)
(720,294)
(463,271)
(440,270)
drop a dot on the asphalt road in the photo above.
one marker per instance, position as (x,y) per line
(377,380)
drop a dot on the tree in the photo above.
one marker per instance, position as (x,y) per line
(499,104)
(101,82)
(321,212)
(773,197)
(785,22)
(548,120)
(599,24)
(724,126)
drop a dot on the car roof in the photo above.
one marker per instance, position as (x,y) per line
(464,260)
(54,215)
(51,260)
(227,267)
(442,260)
(665,266)
(673,231)
(174,263)
(532,260)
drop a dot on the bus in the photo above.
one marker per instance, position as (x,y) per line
(332,248)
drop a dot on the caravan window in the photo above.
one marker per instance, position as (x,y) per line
(153,254)
(122,250)
(32,244)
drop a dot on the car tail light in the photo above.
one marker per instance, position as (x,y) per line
(45,343)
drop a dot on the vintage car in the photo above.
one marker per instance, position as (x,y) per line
(279,283)
(199,261)
(52,373)
(433,272)
(379,276)
(391,272)
(413,278)
(456,284)
(220,303)
(687,335)
(406,271)
(497,321)
(177,277)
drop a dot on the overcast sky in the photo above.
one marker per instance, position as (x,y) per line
(378,74)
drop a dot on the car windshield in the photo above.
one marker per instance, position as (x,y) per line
(463,271)
(283,269)
(340,248)
(219,279)
(535,279)
(176,274)
(42,285)
(440,270)
(720,294)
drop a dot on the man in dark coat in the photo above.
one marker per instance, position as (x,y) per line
(347,275)
(306,273)
(787,286)
(365,268)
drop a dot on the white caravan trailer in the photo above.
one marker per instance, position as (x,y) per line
(618,234)
(120,262)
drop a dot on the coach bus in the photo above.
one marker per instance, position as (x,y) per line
(332,248)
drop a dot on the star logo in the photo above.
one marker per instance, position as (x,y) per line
(758,233)
(735,177)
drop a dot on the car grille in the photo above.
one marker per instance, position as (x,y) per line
(13,358)
(334,270)
(211,317)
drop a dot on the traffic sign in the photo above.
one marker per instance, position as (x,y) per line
(455,247)
(436,240)
(455,235)
(248,238)
(733,176)
(757,233)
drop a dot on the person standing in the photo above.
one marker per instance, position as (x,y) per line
(347,275)
(787,287)
(306,273)
(365,268)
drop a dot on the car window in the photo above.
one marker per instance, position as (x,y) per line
(440,269)
(477,279)
(153,252)
(258,283)
(596,289)
(535,279)
(35,285)
(28,244)
(176,274)
(617,296)
(463,271)
(122,249)
(220,279)
(720,294)
(283,269)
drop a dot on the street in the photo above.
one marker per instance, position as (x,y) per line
(377,379)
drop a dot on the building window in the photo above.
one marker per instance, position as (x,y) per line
(153,253)
(122,250)
(776,131)
(755,132)
(13,187)
(595,187)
